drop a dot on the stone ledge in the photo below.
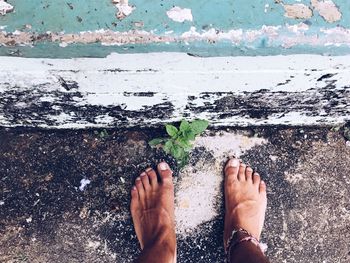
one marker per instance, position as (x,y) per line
(150,89)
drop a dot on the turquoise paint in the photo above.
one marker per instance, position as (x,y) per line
(58,16)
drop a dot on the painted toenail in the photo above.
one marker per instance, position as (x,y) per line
(148,169)
(138,179)
(143,174)
(233,163)
(163,166)
(133,188)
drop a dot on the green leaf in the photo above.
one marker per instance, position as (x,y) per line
(199,126)
(189,135)
(156,141)
(184,126)
(177,151)
(347,133)
(184,160)
(335,129)
(171,130)
(184,144)
(103,133)
(168,146)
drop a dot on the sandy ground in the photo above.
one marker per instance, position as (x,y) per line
(48,214)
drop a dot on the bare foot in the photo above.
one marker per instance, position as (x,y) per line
(245,199)
(152,210)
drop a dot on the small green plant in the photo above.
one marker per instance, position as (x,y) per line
(344,131)
(335,128)
(347,133)
(21,258)
(102,134)
(179,143)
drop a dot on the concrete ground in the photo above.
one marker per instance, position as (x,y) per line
(48,214)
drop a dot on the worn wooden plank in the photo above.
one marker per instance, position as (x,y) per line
(154,88)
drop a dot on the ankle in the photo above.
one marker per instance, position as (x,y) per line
(159,250)
(163,238)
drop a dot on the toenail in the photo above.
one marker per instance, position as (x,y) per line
(148,169)
(143,174)
(133,188)
(233,163)
(163,166)
(138,179)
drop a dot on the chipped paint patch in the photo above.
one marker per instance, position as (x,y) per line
(5,7)
(270,36)
(124,9)
(327,9)
(266,8)
(179,14)
(105,37)
(298,28)
(297,11)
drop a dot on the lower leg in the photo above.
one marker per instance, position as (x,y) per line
(245,206)
(247,252)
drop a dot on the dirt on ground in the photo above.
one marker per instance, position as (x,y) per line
(64,194)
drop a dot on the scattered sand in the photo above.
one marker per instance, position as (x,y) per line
(229,144)
(199,195)
(197,198)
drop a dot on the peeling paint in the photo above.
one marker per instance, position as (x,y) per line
(124,9)
(158,88)
(297,11)
(271,36)
(179,14)
(266,8)
(327,9)
(298,28)
(5,7)
(243,28)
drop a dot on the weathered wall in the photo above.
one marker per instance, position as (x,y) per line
(239,88)
(77,28)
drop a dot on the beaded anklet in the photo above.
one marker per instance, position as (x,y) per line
(237,237)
